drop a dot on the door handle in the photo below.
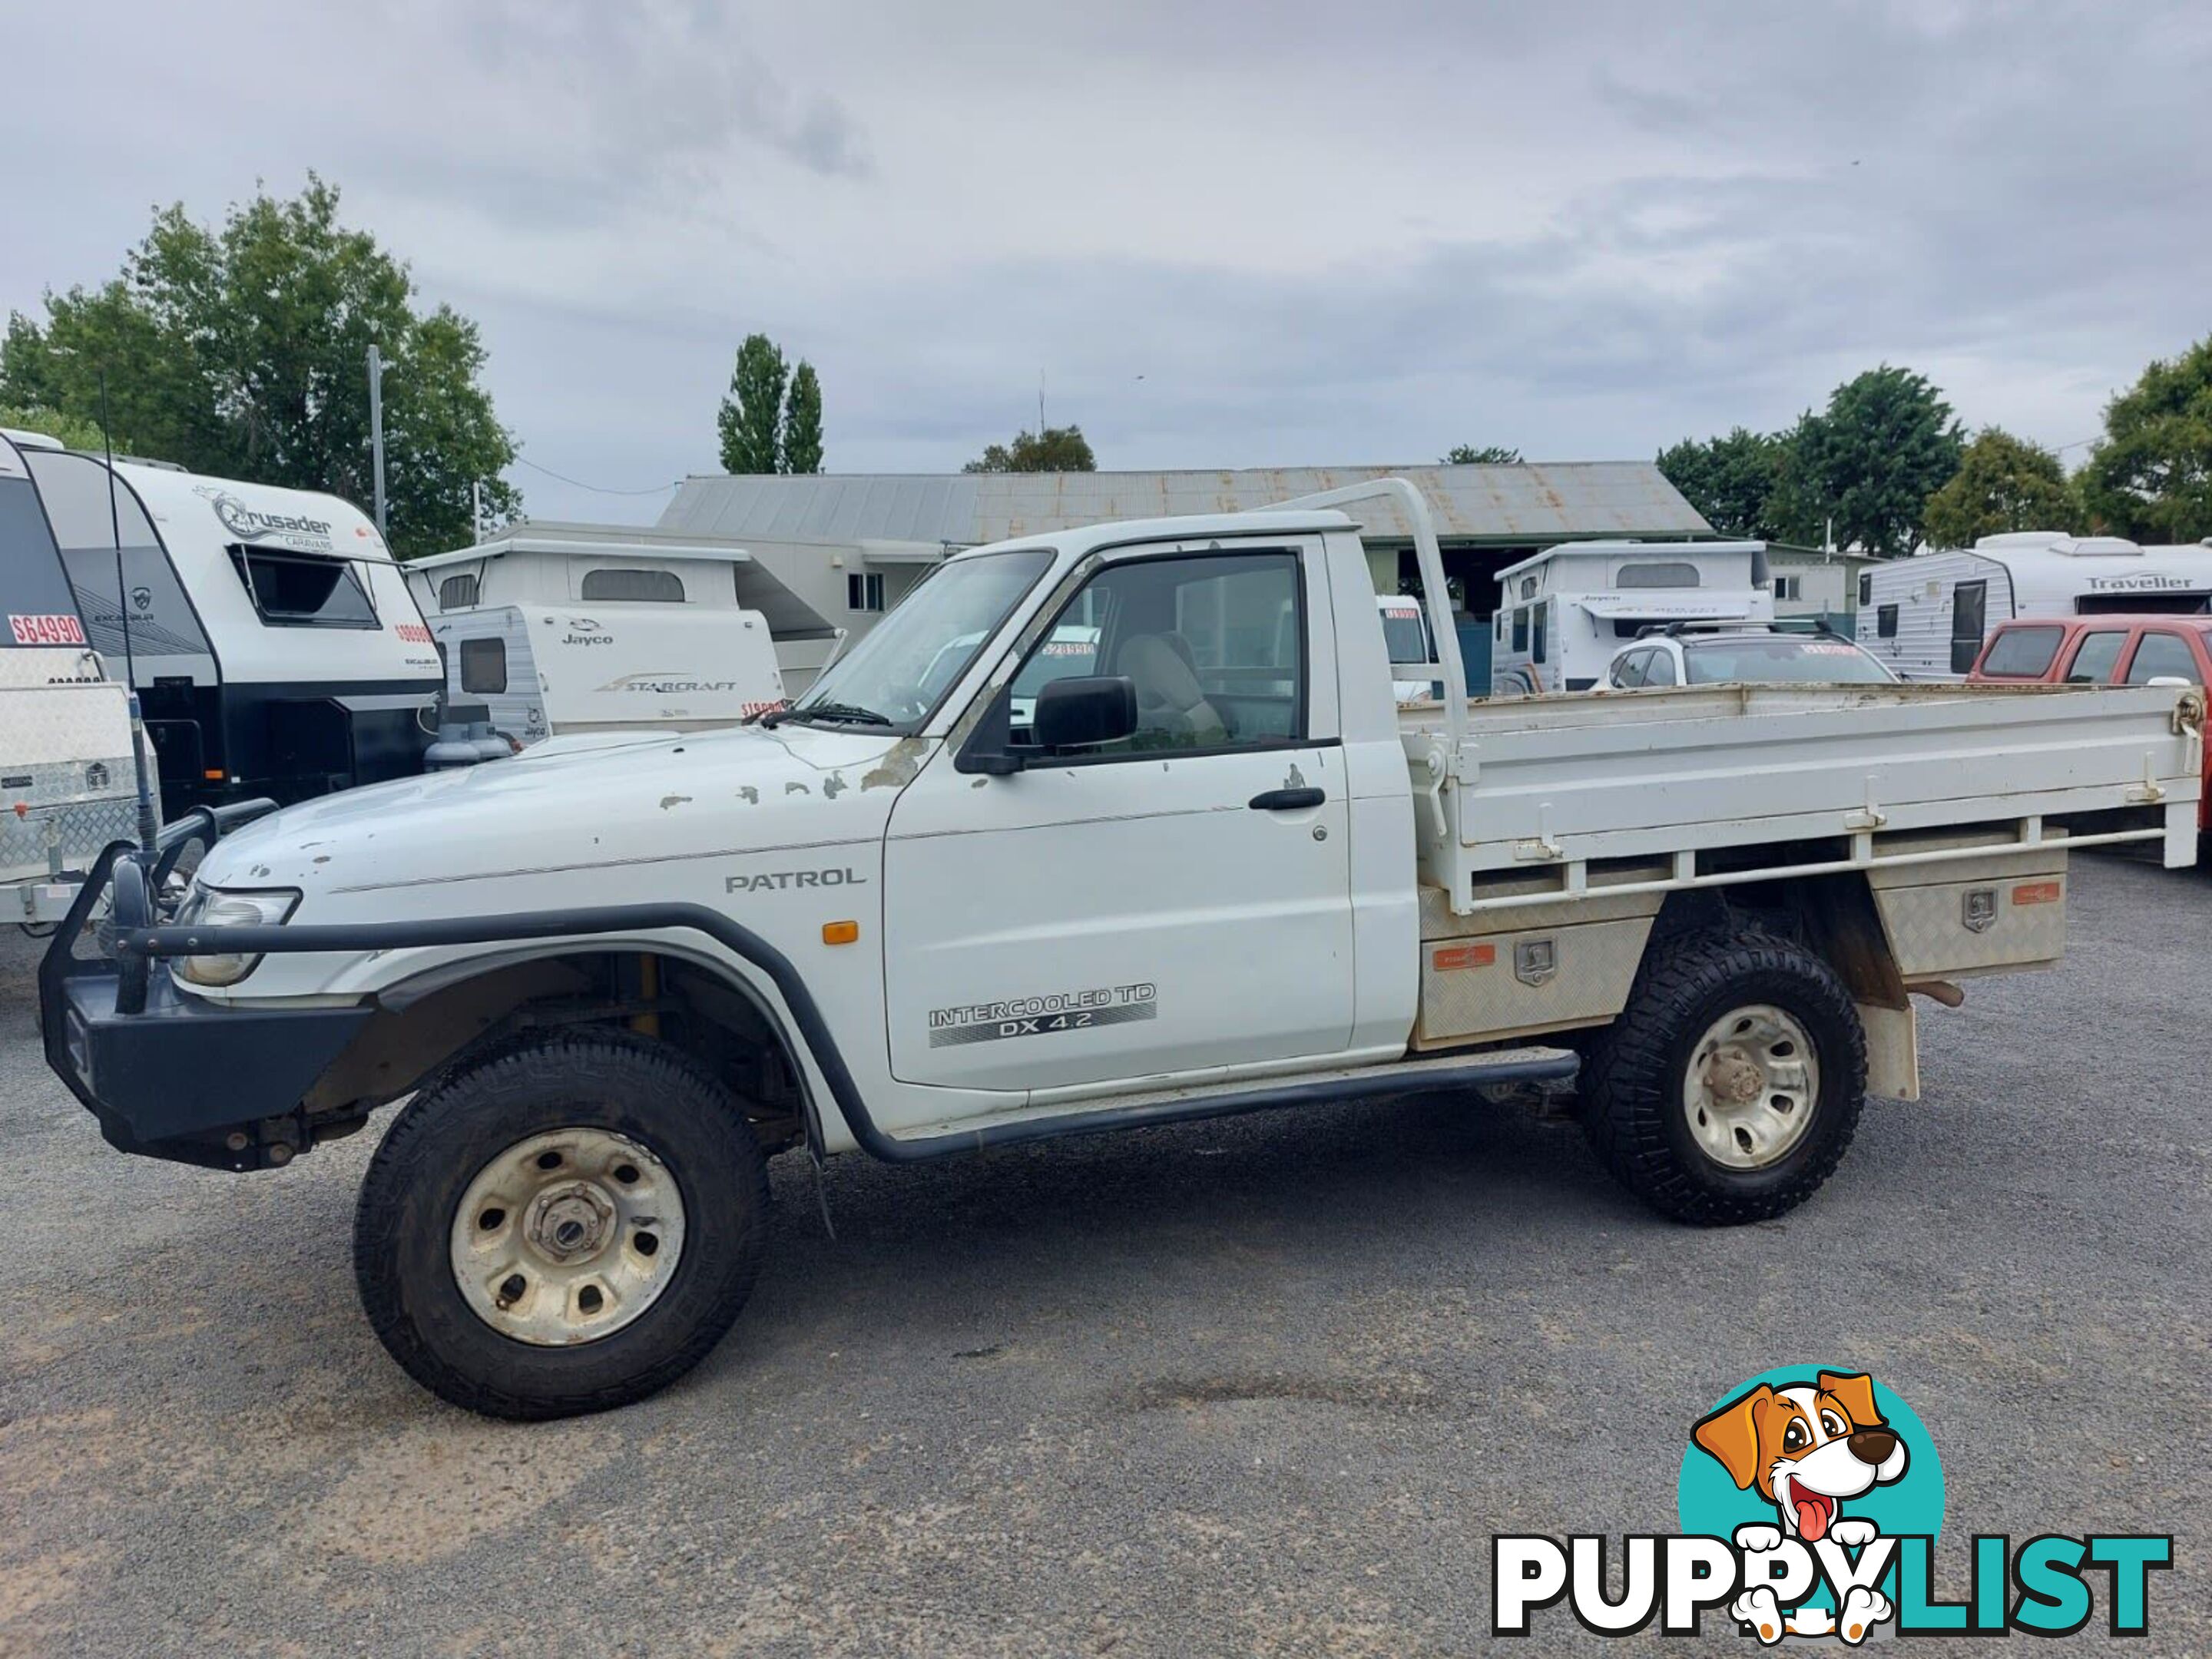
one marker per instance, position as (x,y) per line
(1287,801)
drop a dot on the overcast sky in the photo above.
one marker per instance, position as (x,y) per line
(1223,234)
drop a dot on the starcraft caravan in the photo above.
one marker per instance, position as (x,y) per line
(276,651)
(565,629)
(1927,616)
(1562,614)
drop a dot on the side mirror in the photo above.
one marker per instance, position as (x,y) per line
(1085,711)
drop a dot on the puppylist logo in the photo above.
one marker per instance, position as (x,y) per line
(1810,1500)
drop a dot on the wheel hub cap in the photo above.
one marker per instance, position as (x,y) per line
(1753,1086)
(567,1236)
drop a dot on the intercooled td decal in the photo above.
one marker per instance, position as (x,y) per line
(1042,1016)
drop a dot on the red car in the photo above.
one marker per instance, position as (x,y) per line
(2103,651)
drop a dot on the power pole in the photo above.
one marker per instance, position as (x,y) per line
(376,428)
(475,508)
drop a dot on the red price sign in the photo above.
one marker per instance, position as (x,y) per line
(65,630)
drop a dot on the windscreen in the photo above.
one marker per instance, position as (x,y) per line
(1781,661)
(35,593)
(895,676)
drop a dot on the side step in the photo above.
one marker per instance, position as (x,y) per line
(1191,1103)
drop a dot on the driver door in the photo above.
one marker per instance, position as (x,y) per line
(1172,902)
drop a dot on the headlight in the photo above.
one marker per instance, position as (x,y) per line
(209,907)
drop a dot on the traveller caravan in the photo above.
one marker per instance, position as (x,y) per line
(1563,614)
(276,649)
(564,628)
(1927,616)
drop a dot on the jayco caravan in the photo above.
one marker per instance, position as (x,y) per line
(1564,613)
(1927,616)
(276,651)
(560,629)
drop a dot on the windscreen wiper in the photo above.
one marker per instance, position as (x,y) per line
(848,713)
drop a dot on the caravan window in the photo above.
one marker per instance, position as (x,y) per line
(1885,621)
(456,592)
(1670,573)
(483,667)
(298,590)
(653,587)
(1866,589)
(1537,635)
(1520,629)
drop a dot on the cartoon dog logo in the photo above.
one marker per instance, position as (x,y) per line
(1807,1450)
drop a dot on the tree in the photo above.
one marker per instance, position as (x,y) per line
(1054,449)
(65,430)
(1732,480)
(2151,476)
(1488,455)
(2002,483)
(1884,445)
(802,422)
(751,420)
(771,421)
(242,351)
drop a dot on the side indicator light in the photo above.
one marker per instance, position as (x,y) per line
(1454,958)
(839,933)
(2036,892)
(212,774)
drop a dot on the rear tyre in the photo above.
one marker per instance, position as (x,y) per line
(562,1227)
(1731,1086)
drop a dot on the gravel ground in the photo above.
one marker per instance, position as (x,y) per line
(1260,1385)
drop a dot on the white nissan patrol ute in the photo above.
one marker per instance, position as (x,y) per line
(1205,865)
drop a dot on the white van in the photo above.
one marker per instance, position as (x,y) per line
(68,784)
(1564,613)
(1926,616)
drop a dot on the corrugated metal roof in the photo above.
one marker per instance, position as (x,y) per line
(1536,502)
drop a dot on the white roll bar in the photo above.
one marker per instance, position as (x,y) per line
(1436,595)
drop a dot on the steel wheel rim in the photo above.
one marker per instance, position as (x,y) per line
(567,1236)
(1752,1088)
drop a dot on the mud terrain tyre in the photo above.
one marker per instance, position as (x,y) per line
(562,1227)
(1731,1084)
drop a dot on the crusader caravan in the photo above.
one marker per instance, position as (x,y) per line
(277,652)
(1927,616)
(565,629)
(1563,614)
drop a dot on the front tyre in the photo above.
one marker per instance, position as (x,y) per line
(565,1227)
(1731,1086)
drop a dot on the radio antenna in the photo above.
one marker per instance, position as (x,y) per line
(147,831)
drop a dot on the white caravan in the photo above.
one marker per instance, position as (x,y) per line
(277,652)
(1563,614)
(1926,616)
(1215,870)
(68,784)
(557,629)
